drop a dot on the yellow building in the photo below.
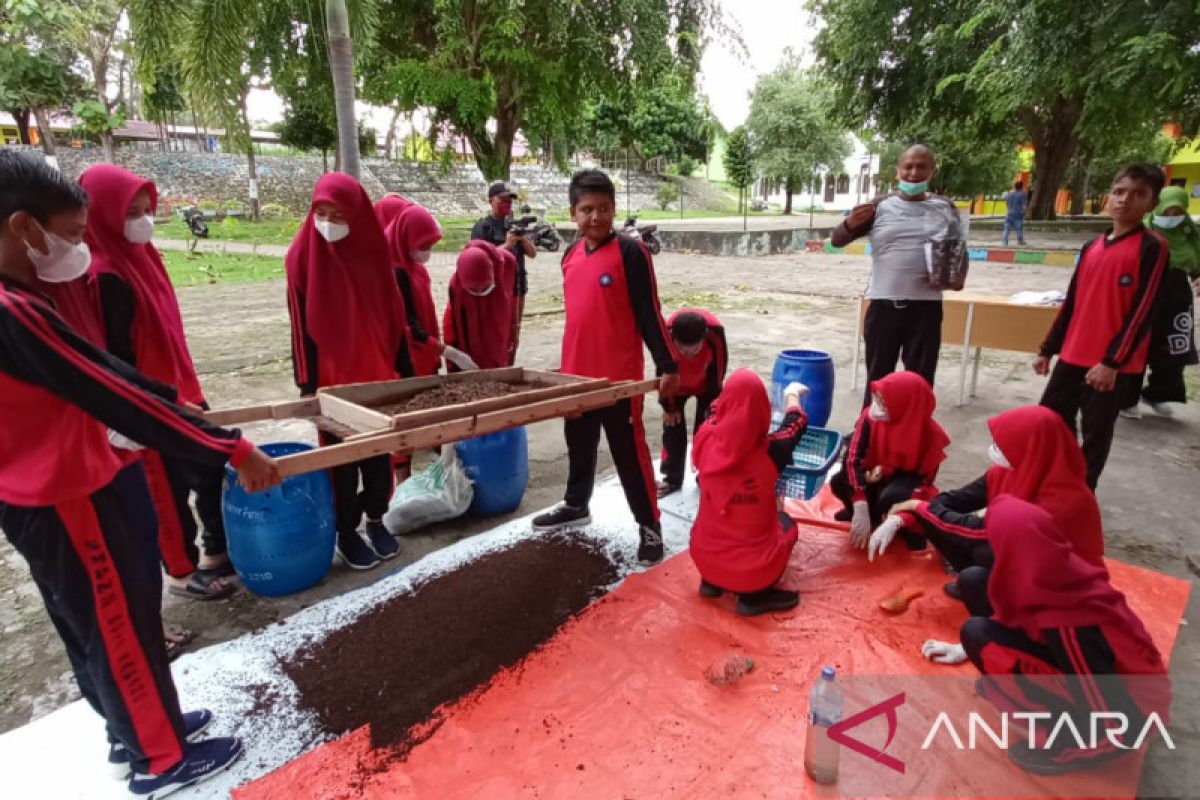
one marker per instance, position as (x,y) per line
(1184,170)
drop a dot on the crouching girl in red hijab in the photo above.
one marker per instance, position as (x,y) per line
(481,318)
(740,541)
(894,454)
(1058,638)
(348,326)
(1035,457)
(142,326)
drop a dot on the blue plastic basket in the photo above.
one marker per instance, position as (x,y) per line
(811,462)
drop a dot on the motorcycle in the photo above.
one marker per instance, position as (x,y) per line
(648,234)
(194,219)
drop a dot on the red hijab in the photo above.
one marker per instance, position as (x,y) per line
(388,207)
(352,307)
(736,430)
(909,440)
(415,229)
(157,330)
(488,319)
(1047,469)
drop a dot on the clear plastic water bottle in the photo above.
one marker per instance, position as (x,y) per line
(824,710)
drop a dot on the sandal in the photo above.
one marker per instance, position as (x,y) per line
(203,587)
(176,638)
(225,569)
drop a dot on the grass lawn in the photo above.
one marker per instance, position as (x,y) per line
(186,269)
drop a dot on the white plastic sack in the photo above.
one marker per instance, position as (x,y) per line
(443,491)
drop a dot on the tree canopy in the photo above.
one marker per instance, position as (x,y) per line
(792,130)
(1052,72)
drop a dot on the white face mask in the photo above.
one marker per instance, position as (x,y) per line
(483,293)
(332,231)
(421,256)
(997,457)
(1167,223)
(65,261)
(878,412)
(140,230)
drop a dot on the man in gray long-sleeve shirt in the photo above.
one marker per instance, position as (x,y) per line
(904,316)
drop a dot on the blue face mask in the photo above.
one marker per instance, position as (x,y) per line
(913,189)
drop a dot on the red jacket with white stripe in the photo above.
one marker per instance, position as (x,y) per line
(58,396)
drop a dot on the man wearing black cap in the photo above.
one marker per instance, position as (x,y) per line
(494,228)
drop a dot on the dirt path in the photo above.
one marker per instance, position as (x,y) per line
(239,338)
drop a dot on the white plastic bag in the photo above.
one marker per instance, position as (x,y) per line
(442,491)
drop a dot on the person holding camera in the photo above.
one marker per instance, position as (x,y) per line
(497,228)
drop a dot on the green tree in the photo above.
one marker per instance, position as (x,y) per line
(966,166)
(226,48)
(1099,159)
(665,119)
(1053,71)
(491,70)
(37,73)
(93,30)
(308,124)
(792,131)
(738,160)
(162,98)
(666,194)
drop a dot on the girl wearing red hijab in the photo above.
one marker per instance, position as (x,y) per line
(142,326)
(348,327)
(410,241)
(894,454)
(1035,457)
(480,317)
(740,541)
(1045,614)
(388,207)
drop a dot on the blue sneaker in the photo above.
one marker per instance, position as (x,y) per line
(382,542)
(355,552)
(194,724)
(200,761)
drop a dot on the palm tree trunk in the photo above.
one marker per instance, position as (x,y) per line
(251,163)
(341,65)
(389,143)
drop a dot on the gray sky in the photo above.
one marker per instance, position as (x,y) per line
(768,28)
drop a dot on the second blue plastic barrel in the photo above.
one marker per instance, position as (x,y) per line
(281,540)
(813,368)
(498,464)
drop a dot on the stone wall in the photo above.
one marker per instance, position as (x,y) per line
(183,178)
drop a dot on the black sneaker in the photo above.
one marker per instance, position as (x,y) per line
(951,588)
(755,603)
(710,590)
(1059,761)
(200,761)
(650,548)
(355,552)
(563,518)
(382,542)
(194,724)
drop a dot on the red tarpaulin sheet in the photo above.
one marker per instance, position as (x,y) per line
(616,705)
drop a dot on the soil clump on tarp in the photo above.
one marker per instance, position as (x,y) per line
(393,666)
(452,394)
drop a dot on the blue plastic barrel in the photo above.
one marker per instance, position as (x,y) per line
(813,368)
(498,464)
(280,540)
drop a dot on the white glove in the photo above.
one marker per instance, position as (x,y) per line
(458,358)
(860,524)
(883,536)
(943,652)
(122,442)
(798,389)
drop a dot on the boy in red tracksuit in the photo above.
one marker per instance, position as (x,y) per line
(67,501)
(612,306)
(1101,334)
(698,339)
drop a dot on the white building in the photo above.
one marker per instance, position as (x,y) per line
(856,182)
